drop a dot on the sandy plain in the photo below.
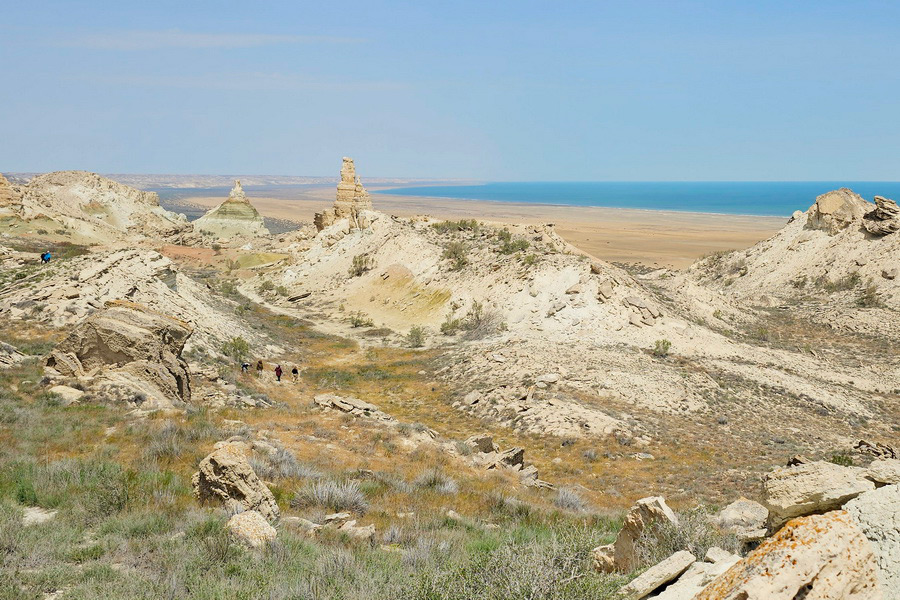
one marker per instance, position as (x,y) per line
(652,238)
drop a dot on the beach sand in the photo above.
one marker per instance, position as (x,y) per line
(652,238)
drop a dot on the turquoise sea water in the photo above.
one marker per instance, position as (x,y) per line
(772,198)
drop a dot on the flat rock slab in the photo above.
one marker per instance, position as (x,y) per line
(811,488)
(658,575)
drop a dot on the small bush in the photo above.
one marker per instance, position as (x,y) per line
(841,459)
(436,480)
(480,322)
(451,325)
(266,286)
(661,348)
(336,495)
(456,253)
(416,336)
(511,247)
(281,290)
(361,263)
(282,465)
(454,226)
(694,532)
(228,288)
(360,319)
(568,499)
(847,282)
(870,298)
(237,348)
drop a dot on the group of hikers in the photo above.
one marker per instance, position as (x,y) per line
(295,372)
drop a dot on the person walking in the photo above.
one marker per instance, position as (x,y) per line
(278,372)
(245,367)
(45,257)
(295,373)
(259,368)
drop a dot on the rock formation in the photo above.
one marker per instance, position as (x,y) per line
(620,555)
(132,349)
(352,198)
(877,514)
(744,518)
(822,556)
(226,476)
(884,219)
(89,206)
(837,210)
(236,216)
(10,200)
(811,488)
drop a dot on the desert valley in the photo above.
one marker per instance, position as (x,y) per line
(465,406)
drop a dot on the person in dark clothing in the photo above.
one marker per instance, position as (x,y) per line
(278,372)
(45,257)
(245,367)
(259,368)
(295,373)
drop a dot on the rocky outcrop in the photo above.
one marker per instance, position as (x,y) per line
(87,205)
(354,406)
(352,199)
(236,216)
(251,529)
(226,476)
(128,346)
(885,471)
(620,555)
(837,210)
(699,575)
(744,518)
(885,219)
(811,488)
(488,455)
(10,199)
(9,355)
(877,514)
(821,556)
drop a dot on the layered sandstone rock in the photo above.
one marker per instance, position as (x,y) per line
(744,518)
(825,557)
(811,488)
(128,347)
(236,216)
(227,477)
(10,200)
(837,210)
(352,198)
(658,575)
(621,555)
(885,219)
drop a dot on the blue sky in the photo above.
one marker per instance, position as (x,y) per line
(486,90)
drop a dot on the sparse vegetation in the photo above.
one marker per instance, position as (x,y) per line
(266,286)
(457,253)
(416,336)
(333,495)
(360,319)
(694,532)
(839,458)
(360,264)
(661,348)
(842,284)
(237,348)
(481,322)
(869,297)
(455,226)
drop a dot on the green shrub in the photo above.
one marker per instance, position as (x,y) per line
(869,297)
(266,286)
(361,263)
(360,319)
(847,282)
(451,325)
(237,348)
(661,348)
(456,253)
(480,322)
(841,459)
(335,495)
(416,336)
(454,226)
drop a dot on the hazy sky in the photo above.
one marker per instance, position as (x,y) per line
(489,90)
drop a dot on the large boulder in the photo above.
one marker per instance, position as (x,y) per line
(251,529)
(621,555)
(129,346)
(837,210)
(885,471)
(226,476)
(821,557)
(877,514)
(744,518)
(699,575)
(657,575)
(811,488)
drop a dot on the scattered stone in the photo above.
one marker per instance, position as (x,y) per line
(605,290)
(820,556)
(744,518)
(482,443)
(658,575)
(876,449)
(354,406)
(889,273)
(885,471)
(68,395)
(226,476)
(304,526)
(251,529)
(336,518)
(366,533)
(35,515)
(811,488)
(877,514)
(620,555)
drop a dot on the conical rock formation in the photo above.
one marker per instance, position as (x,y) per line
(352,198)
(234,217)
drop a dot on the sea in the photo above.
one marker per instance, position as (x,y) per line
(758,198)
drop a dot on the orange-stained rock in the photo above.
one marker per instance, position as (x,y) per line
(821,557)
